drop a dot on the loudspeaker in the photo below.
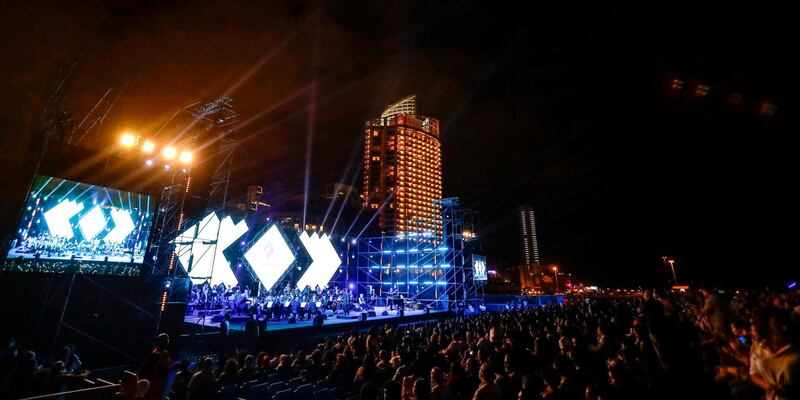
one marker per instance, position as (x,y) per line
(385,313)
(292,319)
(427,310)
(401,312)
(363,316)
(371,313)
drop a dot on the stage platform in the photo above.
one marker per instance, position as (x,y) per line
(198,324)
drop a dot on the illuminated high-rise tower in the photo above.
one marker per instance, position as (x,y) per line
(403,170)
(530,245)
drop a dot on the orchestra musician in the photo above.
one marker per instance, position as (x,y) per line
(345,299)
(278,304)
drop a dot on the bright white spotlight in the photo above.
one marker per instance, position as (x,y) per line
(186,157)
(270,257)
(148,146)
(169,153)
(166,166)
(149,163)
(127,140)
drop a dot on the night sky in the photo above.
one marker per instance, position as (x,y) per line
(559,105)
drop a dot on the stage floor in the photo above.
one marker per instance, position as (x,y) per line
(199,323)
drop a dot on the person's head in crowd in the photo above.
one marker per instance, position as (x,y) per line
(486,373)
(231,367)
(142,387)
(422,390)
(361,374)
(740,328)
(369,391)
(316,357)
(551,378)
(437,376)
(206,363)
(162,342)
(249,361)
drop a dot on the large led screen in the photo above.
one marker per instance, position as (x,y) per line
(479,268)
(66,224)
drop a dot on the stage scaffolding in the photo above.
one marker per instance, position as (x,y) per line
(187,195)
(427,269)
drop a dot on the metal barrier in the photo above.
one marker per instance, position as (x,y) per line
(102,390)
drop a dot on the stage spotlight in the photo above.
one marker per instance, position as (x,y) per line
(170,153)
(149,163)
(127,140)
(148,146)
(186,157)
(166,166)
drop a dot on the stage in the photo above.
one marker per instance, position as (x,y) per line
(200,324)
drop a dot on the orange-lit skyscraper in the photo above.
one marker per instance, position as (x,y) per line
(403,170)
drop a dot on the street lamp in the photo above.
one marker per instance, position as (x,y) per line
(555,271)
(674,276)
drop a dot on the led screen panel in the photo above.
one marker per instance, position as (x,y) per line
(269,257)
(325,261)
(66,224)
(479,268)
(200,250)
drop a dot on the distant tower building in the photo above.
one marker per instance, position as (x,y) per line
(403,170)
(530,245)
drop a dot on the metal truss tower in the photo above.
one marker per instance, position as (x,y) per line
(436,271)
(189,194)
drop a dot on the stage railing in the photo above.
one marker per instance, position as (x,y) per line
(102,391)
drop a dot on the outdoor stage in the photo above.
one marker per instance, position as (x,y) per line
(199,324)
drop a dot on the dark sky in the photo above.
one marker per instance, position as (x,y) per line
(557,104)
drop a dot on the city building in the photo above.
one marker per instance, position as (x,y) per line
(530,246)
(403,170)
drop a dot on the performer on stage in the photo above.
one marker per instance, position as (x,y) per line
(346,301)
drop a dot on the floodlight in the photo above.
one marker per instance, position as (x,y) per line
(169,152)
(127,140)
(148,146)
(186,157)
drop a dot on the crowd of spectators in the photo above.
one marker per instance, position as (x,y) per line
(23,373)
(705,345)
